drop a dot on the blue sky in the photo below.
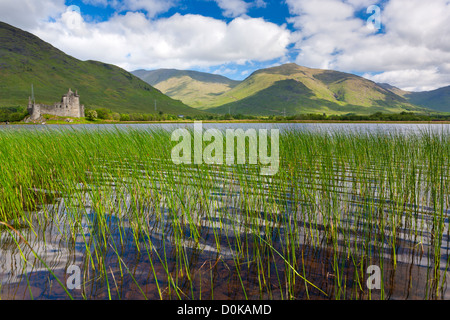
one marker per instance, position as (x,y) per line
(276,12)
(273,11)
(410,50)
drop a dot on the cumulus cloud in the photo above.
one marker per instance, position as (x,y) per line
(134,41)
(412,53)
(152,7)
(27,14)
(425,79)
(233,8)
(237,8)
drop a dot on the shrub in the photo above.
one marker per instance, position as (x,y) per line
(124,117)
(91,115)
(104,114)
(115,116)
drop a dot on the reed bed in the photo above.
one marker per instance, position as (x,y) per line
(113,203)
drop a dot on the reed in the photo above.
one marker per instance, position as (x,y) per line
(140,226)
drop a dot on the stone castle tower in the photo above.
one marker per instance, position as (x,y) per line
(68,107)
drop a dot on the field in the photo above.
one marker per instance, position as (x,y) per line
(114,205)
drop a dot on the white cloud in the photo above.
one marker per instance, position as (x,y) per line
(153,7)
(233,8)
(416,41)
(134,41)
(26,14)
(422,79)
(412,52)
(237,8)
(223,70)
(98,3)
(420,23)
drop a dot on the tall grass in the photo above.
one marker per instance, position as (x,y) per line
(140,226)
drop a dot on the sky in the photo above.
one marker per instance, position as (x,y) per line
(405,43)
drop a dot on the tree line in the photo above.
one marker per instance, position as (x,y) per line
(17,114)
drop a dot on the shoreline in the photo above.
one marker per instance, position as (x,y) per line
(222,121)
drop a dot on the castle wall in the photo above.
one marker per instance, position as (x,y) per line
(58,109)
(68,107)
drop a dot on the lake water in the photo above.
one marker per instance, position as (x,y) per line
(314,127)
(32,280)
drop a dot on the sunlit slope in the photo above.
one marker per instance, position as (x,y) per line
(196,89)
(292,89)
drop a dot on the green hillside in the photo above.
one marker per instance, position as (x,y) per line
(196,89)
(397,91)
(291,89)
(438,100)
(26,60)
(284,97)
(153,77)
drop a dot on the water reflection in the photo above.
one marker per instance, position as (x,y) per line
(208,248)
(121,263)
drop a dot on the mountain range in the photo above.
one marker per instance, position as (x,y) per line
(292,89)
(196,89)
(438,100)
(289,89)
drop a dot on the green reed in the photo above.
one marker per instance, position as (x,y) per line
(339,203)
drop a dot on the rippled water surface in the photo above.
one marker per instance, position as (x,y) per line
(139,249)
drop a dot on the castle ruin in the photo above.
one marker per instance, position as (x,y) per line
(68,107)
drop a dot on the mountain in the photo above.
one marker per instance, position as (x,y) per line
(438,100)
(196,89)
(291,89)
(397,91)
(26,60)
